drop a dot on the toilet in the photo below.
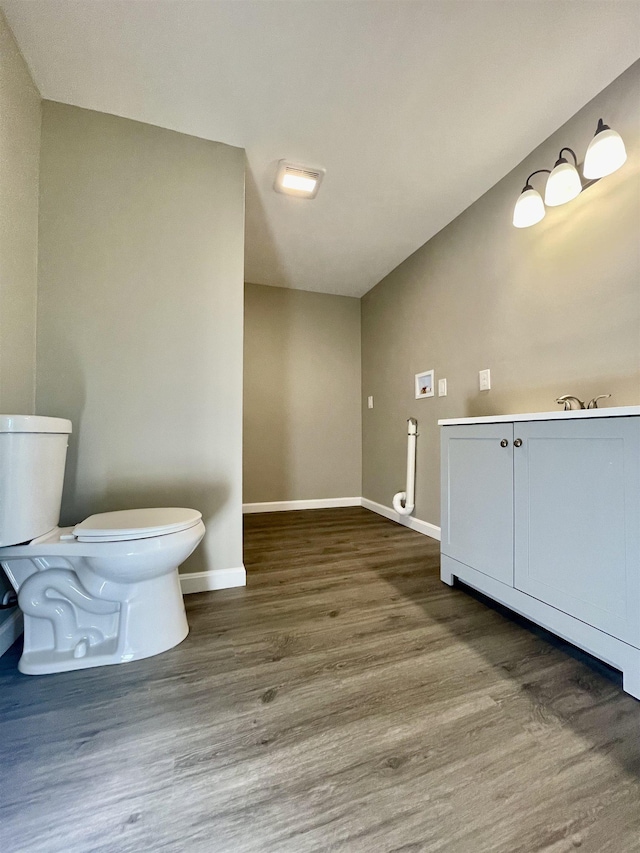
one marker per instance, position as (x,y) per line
(105,591)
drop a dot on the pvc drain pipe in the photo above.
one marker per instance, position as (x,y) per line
(404,502)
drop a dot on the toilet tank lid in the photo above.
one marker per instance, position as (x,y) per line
(34,423)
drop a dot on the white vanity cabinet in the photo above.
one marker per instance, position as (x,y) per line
(542,513)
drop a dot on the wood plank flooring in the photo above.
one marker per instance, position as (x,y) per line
(346,700)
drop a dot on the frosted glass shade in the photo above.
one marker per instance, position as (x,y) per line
(605,154)
(563,184)
(529,209)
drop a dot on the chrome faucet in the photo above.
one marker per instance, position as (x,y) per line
(593,404)
(571,403)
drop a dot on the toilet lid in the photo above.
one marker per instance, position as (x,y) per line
(135,524)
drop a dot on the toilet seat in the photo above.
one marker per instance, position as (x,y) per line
(128,524)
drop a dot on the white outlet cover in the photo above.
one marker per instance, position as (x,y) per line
(484,377)
(442,387)
(370,402)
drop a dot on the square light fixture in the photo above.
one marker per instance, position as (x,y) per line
(294,179)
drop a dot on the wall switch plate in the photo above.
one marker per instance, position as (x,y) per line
(370,402)
(484,377)
(442,387)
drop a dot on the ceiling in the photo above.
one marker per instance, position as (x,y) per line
(414,107)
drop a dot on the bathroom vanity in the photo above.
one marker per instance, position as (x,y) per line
(541,512)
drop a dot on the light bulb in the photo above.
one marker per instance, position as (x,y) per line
(529,208)
(605,154)
(296,182)
(563,184)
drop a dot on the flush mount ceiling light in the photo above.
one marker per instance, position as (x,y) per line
(605,154)
(301,181)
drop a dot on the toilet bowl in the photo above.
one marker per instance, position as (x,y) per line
(103,592)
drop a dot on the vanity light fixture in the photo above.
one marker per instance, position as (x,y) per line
(563,184)
(605,154)
(297,180)
(529,208)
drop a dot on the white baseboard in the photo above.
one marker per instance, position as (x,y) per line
(10,630)
(407,520)
(285,506)
(215,579)
(328,503)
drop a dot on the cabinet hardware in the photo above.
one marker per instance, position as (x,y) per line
(504,443)
(517,442)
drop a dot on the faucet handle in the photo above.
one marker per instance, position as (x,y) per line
(593,404)
(571,402)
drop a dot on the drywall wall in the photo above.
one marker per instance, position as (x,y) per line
(140,306)
(19,158)
(553,309)
(302,424)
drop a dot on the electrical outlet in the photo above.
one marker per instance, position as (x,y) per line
(484,377)
(370,402)
(442,387)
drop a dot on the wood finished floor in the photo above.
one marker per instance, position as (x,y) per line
(346,700)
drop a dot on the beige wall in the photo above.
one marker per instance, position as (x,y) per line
(140,319)
(302,425)
(19,156)
(553,309)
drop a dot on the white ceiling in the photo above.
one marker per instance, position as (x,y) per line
(414,108)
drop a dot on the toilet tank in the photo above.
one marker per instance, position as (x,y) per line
(33,451)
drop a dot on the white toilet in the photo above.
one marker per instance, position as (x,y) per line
(105,591)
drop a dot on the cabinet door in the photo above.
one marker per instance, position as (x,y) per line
(576,519)
(477,497)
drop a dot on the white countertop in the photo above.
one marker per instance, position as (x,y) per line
(611,412)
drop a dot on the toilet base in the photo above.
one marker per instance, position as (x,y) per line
(48,662)
(150,620)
